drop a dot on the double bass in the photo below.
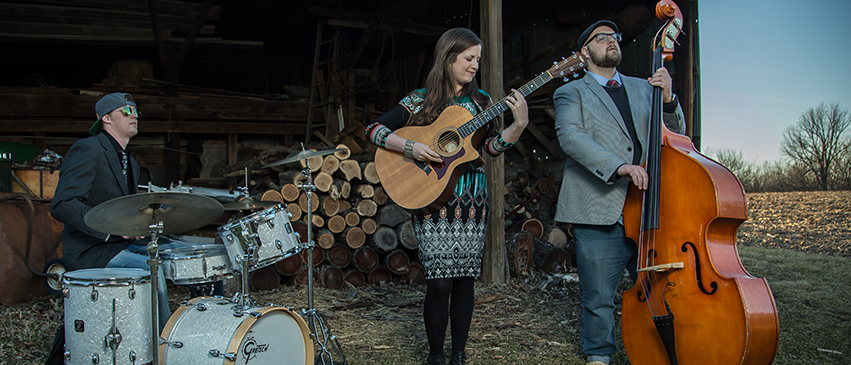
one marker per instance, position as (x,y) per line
(693,301)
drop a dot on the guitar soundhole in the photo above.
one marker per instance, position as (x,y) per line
(448,142)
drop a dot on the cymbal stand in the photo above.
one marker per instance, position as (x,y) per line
(154,262)
(315,320)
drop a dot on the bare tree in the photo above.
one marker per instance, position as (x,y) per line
(841,174)
(733,160)
(815,141)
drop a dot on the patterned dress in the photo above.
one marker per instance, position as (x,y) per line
(451,240)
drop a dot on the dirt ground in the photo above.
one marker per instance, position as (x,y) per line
(533,319)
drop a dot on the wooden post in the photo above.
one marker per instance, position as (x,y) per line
(493,265)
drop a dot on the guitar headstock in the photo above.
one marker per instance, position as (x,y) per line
(569,68)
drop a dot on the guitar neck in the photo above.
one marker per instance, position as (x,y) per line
(497,108)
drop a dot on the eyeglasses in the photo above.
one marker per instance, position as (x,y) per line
(128,111)
(603,37)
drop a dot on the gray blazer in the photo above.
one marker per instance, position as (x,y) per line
(90,174)
(592,133)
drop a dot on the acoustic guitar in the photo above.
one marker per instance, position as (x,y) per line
(423,187)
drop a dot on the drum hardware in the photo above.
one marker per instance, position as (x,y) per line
(224,196)
(315,319)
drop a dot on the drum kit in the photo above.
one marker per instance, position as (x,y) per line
(105,309)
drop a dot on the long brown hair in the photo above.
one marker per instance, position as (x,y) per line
(440,86)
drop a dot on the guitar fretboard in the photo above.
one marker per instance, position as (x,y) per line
(497,108)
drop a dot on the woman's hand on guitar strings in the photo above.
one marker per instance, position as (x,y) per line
(517,103)
(422,153)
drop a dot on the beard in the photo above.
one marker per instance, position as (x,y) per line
(606,59)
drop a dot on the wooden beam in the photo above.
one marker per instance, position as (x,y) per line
(363,20)
(190,38)
(494,268)
(155,24)
(147,126)
(164,6)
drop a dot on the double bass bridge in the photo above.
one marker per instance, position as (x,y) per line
(664,267)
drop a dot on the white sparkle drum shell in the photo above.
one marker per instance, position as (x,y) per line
(90,336)
(196,264)
(268,230)
(208,332)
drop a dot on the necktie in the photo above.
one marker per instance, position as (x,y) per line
(613,84)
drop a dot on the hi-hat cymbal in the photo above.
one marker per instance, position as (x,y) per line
(248,204)
(303,155)
(130,215)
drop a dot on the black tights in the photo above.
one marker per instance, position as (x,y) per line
(437,311)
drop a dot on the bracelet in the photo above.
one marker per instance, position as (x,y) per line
(409,149)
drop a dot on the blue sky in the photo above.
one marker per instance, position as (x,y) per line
(764,63)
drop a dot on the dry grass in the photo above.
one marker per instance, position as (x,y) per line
(798,241)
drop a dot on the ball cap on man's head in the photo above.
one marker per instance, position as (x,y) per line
(587,33)
(107,104)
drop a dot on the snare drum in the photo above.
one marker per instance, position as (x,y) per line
(196,264)
(107,316)
(217,331)
(269,232)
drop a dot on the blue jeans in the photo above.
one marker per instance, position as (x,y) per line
(136,256)
(602,253)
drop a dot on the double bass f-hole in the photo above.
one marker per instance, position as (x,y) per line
(697,271)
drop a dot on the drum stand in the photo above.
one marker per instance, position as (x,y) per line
(154,263)
(315,320)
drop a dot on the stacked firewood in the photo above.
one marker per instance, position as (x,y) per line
(360,236)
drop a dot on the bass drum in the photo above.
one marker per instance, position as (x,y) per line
(217,331)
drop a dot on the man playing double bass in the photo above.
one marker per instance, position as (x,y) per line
(602,125)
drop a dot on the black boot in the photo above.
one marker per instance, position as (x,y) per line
(457,358)
(436,359)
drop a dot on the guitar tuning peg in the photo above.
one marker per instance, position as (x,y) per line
(566,79)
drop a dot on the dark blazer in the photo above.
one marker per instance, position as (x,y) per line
(90,174)
(592,133)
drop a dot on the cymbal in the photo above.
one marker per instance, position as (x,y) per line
(303,155)
(249,204)
(130,215)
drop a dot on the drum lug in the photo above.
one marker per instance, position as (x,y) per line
(132,292)
(132,357)
(95,359)
(200,307)
(229,356)
(279,245)
(255,314)
(175,344)
(94,294)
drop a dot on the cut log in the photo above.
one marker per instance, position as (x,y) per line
(316,220)
(332,277)
(379,275)
(314,202)
(397,262)
(325,239)
(391,215)
(290,177)
(300,278)
(350,169)
(415,274)
(367,208)
(368,225)
(365,259)
(354,277)
(300,228)
(346,189)
(550,258)
(318,256)
(407,238)
(330,165)
(272,196)
(289,192)
(532,225)
(553,234)
(353,146)
(295,210)
(369,173)
(380,197)
(338,255)
(336,190)
(323,181)
(265,278)
(336,224)
(329,206)
(384,240)
(345,205)
(352,218)
(354,237)
(289,266)
(342,155)
(315,162)
(519,248)
(365,191)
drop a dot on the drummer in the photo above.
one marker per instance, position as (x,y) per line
(94,170)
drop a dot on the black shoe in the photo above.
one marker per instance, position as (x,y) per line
(437,359)
(457,358)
